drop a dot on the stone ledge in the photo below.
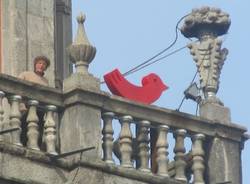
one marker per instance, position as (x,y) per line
(30,90)
(129,173)
(15,157)
(33,155)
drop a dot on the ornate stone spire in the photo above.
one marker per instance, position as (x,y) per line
(81,52)
(207,24)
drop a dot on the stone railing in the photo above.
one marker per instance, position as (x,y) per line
(146,147)
(143,147)
(30,111)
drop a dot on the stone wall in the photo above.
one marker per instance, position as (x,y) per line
(28,29)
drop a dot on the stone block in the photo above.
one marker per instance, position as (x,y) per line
(35,27)
(47,8)
(80,81)
(81,128)
(215,112)
(20,24)
(224,162)
(18,56)
(23,170)
(20,4)
(48,30)
(34,7)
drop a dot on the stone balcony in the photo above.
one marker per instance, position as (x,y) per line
(58,122)
(132,142)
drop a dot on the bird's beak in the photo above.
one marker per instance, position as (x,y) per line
(164,87)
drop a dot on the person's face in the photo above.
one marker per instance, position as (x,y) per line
(40,67)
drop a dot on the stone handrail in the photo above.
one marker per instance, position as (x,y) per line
(30,90)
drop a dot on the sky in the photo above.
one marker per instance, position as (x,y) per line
(126,33)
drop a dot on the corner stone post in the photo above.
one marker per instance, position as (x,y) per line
(81,124)
(223,156)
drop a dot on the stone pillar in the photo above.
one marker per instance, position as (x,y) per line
(81,124)
(63,67)
(206,24)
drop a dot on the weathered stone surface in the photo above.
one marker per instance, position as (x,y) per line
(81,82)
(206,18)
(28,29)
(63,66)
(224,162)
(85,121)
(27,171)
(207,24)
(215,112)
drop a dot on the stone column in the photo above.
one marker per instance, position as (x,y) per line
(63,38)
(81,124)
(206,24)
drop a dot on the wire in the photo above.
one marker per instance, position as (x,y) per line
(195,75)
(161,58)
(159,53)
(146,63)
(178,109)
(152,62)
(197,108)
(78,168)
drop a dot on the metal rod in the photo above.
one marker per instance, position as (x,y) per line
(70,153)
(9,130)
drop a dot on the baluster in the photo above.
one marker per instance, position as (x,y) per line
(198,158)
(161,151)
(107,132)
(2,94)
(143,141)
(179,150)
(50,130)
(32,121)
(15,121)
(125,140)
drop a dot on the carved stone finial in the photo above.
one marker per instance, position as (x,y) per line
(81,52)
(206,20)
(81,18)
(207,24)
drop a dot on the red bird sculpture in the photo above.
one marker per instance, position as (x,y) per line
(151,89)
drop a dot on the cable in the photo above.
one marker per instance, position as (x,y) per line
(161,52)
(78,168)
(161,58)
(146,63)
(197,108)
(195,75)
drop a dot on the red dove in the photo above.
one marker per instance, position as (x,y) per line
(151,89)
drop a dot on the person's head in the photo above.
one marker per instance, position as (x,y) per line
(41,63)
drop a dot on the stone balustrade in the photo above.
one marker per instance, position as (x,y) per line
(34,121)
(147,140)
(35,127)
(141,145)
